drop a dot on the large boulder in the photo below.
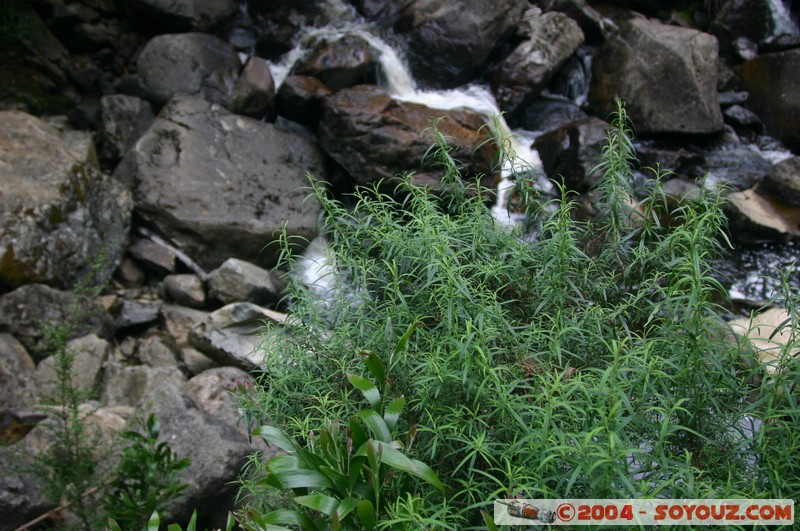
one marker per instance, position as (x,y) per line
(17,384)
(773,81)
(58,214)
(185,15)
(254,92)
(573,151)
(376,137)
(340,63)
(450,41)
(188,63)
(550,39)
(750,19)
(123,120)
(666,74)
(33,312)
(783,181)
(755,218)
(218,185)
(89,354)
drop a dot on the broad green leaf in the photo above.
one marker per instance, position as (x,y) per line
(357,433)
(393,411)
(401,343)
(298,479)
(367,388)
(375,367)
(338,479)
(489,521)
(284,516)
(192,521)
(366,513)
(230,522)
(283,462)
(399,461)
(376,425)
(346,506)
(113,525)
(273,435)
(319,502)
(154,522)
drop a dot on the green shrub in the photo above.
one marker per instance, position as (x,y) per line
(591,362)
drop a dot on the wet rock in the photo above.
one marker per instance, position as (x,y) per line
(751,19)
(231,335)
(341,63)
(783,181)
(137,314)
(27,311)
(449,41)
(17,384)
(89,355)
(667,76)
(669,156)
(592,23)
(375,137)
(57,212)
(735,165)
(254,92)
(729,98)
(680,192)
(179,320)
(156,257)
(773,81)
(186,15)
(188,63)
(546,115)
(755,218)
(186,290)
(300,99)
(550,39)
(219,185)
(239,281)
(573,151)
(123,120)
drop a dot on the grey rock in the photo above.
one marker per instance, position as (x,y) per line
(195,361)
(773,81)
(21,493)
(573,151)
(739,116)
(213,392)
(755,218)
(341,63)
(449,42)
(123,120)
(154,256)
(186,290)
(376,137)
(27,311)
(239,281)
(129,274)
(751,19)
(667,75)
(783,181)
(546,115)
(231,335)
(220,185)
(300,99)
(188,63)
(179,320)
(128,385)
(254,92)
(89,354)
(137,314)
(58,214)
(17,384)
(551,39)
(185,15)
(158,351)
(592,23)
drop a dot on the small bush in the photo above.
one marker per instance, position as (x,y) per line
(591,362)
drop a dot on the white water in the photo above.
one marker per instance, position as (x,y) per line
(784,25)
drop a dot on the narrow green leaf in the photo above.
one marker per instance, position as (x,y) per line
(357,433)
(319,502)
(401,343)
(367,388)
(376,425)
(366,513)
(113,525)
(192,521)
(230,522)
(489,521)
(392,413)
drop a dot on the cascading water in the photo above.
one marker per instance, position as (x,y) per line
(783,23)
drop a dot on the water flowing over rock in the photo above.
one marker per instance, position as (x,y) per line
(341,63)
(189,63)
(666,74)
(550,39)
(376,137)
(773,81)
(450,41)
(218,185)
(58,214)
(185,15)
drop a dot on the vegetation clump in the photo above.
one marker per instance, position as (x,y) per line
(590,361)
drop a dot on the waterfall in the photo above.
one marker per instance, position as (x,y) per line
(782,19)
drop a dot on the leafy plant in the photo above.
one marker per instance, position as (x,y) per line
(146,479)
(588,360)
(347,476)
